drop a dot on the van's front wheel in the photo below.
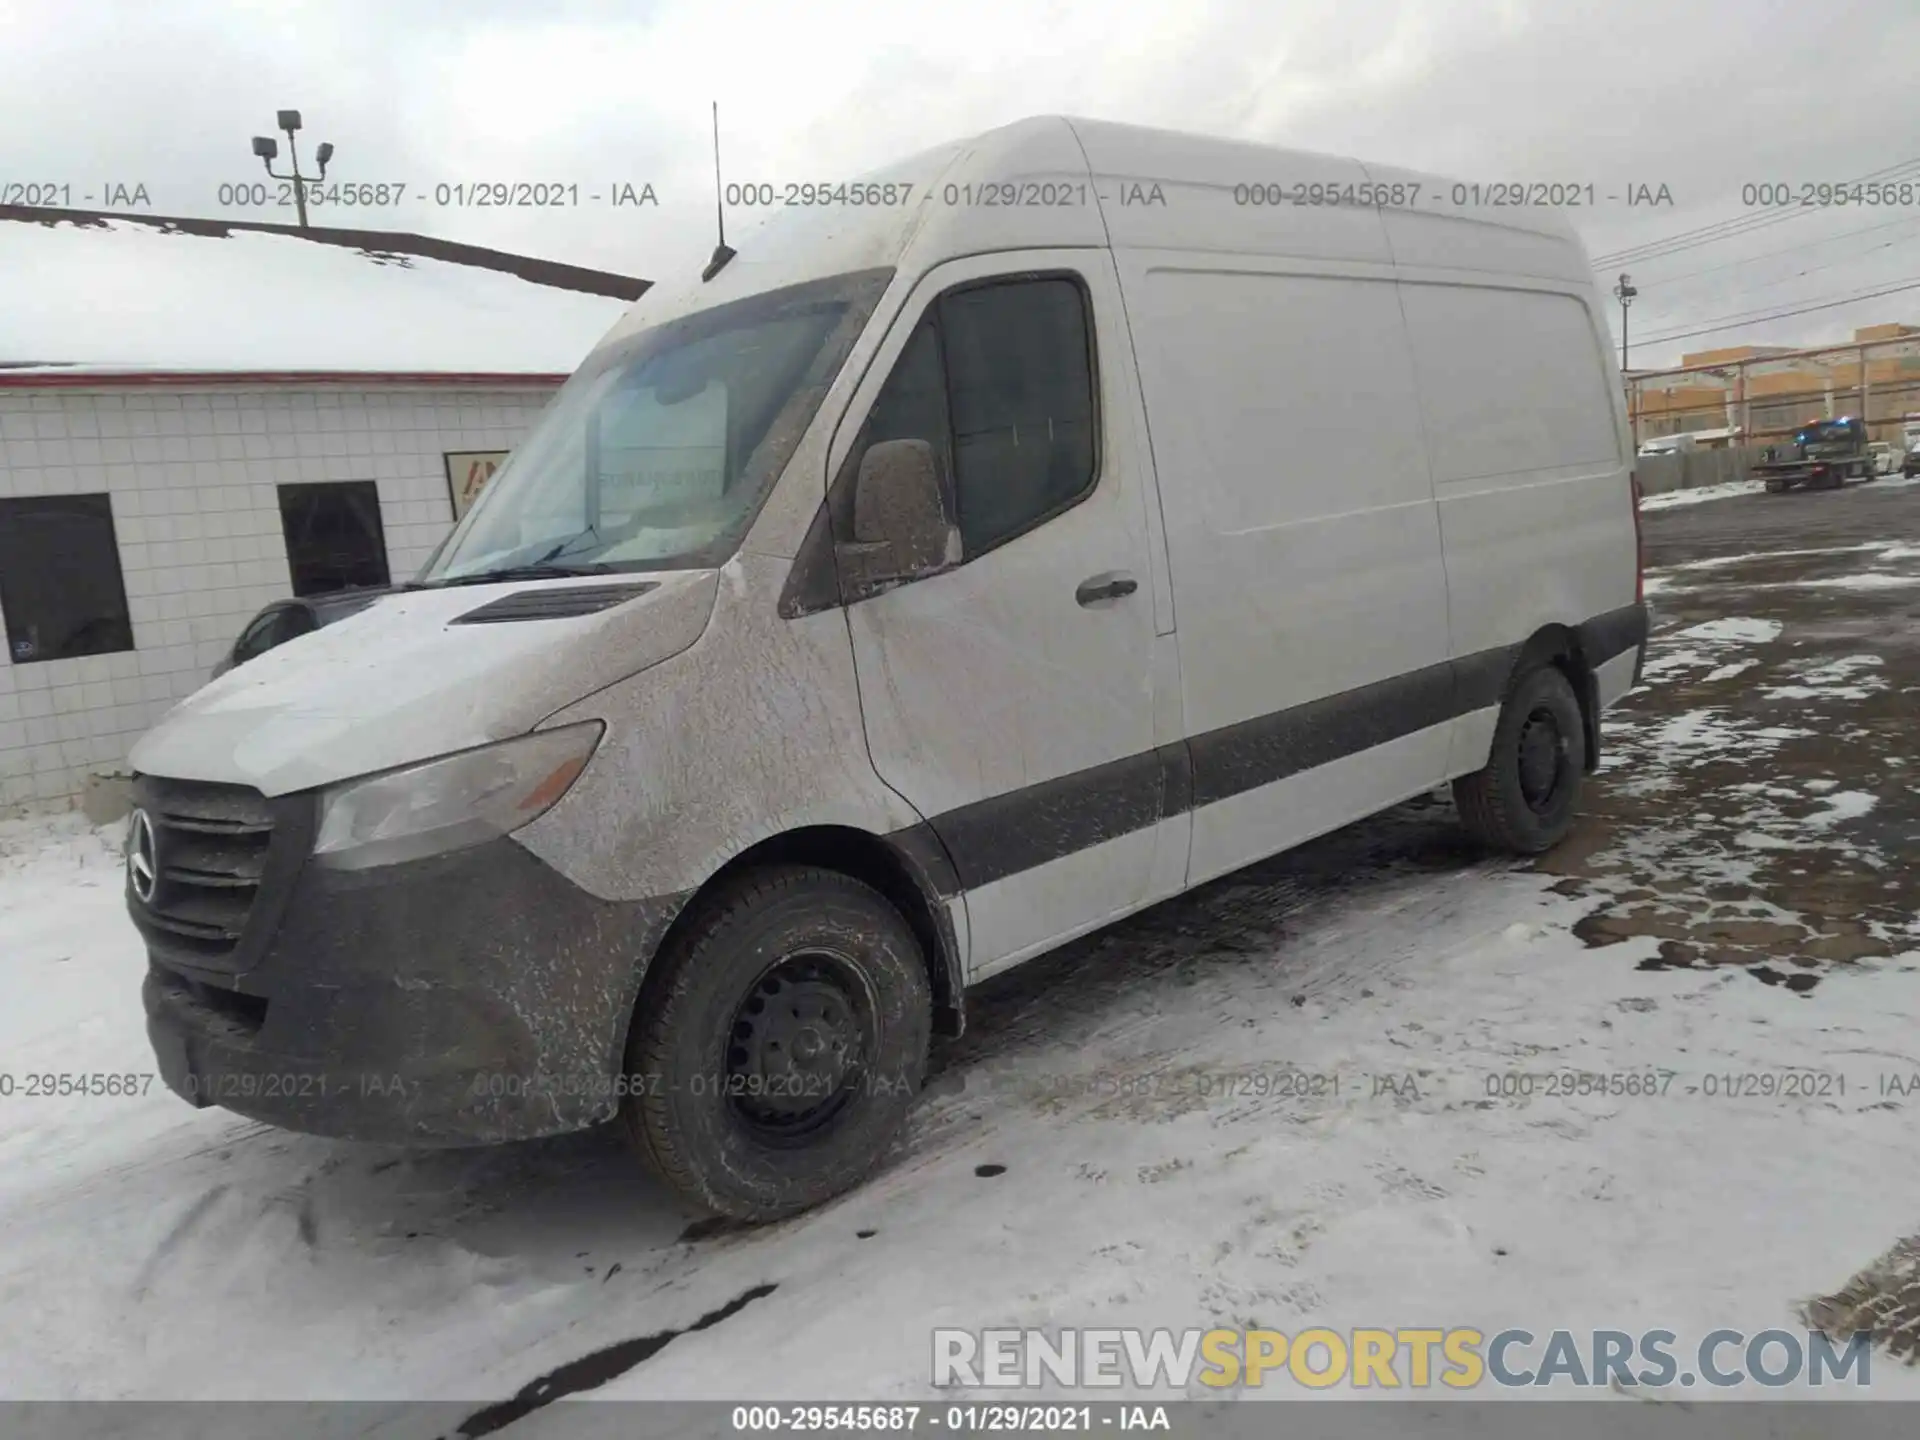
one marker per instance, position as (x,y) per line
(1523,798)
(774,1060)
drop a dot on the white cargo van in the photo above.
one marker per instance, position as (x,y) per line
(1068,517)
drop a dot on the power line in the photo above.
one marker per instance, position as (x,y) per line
(1816,269)
(1734,229)
(1764,313)
(1736,322)
(1740,224)
(1789,249)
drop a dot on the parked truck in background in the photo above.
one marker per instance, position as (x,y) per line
(1823,455)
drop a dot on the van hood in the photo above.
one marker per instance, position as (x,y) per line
(399,682)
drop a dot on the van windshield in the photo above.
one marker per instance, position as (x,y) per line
(658,453)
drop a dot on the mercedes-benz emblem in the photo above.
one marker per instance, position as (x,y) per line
(143,863)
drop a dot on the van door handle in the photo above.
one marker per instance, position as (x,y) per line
(1105,587)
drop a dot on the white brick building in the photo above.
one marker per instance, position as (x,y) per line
(198,418)
(192,499)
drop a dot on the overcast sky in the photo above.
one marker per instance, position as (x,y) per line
(1701,96)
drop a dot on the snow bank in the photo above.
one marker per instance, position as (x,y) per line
(1699,494)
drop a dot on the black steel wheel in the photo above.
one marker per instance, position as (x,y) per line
(778,1044)
(1544,760)
(1523,799)
(799,1044)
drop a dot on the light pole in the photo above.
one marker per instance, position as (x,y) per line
(1624,293)
(266,147)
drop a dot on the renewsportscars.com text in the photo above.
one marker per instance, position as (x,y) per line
(1460,1358)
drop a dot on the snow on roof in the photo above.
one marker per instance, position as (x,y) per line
(128,296)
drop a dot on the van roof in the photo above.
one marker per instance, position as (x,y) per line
(1056,182)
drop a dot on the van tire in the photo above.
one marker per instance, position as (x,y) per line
(1540,730)
(700,1105)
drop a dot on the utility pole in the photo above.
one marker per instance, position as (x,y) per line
(266,147)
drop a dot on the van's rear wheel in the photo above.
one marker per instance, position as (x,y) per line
(773,1061)
(1523,799)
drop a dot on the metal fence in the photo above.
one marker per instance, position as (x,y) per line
(1766,397)
(1692,468)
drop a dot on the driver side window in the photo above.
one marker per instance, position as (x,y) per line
(998,378)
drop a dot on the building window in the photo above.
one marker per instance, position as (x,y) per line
(334,536)
(60,581)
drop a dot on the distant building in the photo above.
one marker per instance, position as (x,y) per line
(1766,391)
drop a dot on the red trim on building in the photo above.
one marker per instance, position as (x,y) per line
(82,379)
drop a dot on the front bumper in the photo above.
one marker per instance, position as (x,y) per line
(469,998)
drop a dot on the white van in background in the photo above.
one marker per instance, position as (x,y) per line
(1667,445)
(1086,513)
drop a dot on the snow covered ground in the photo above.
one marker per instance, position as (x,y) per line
(1700,494)
(145,1248)
(1727,490)
(1286,1100)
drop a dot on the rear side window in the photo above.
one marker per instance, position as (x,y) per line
(274,628)
(999,380)
(295,621)
(257,638)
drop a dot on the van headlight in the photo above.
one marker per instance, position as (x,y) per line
(453,802)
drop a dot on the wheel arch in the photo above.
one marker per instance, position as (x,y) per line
(909,868)
(1560,646)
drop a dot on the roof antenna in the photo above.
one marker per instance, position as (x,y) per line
(722,252)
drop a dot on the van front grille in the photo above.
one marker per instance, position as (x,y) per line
(210,852)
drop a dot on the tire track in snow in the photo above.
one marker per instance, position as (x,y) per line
(175,1237)
(595,1369)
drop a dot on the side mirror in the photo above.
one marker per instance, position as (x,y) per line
(901,528)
